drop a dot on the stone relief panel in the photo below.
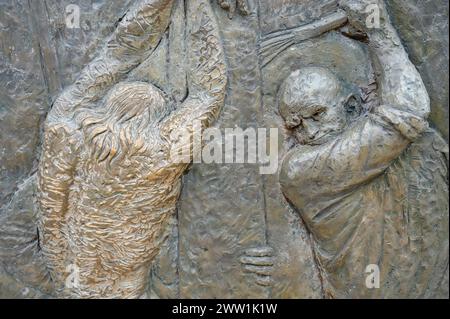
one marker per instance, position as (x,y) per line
(93,204)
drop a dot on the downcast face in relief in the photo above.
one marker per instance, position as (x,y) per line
(316,105)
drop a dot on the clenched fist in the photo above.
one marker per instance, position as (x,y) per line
(365,15)
(231,5)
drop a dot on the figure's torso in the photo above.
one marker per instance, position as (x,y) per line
(391,221)
(117,217)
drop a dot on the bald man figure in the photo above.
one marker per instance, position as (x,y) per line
(371,186)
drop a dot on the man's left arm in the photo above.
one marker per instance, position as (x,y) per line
(367,148)
(400,84)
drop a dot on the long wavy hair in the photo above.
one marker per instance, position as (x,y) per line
(125,120)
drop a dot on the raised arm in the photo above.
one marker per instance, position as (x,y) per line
(136,36)
(207,75)
(367,148)
(400,84)
(405,105)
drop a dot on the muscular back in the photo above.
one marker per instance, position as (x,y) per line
(115,207)
(117,217)
(108,184)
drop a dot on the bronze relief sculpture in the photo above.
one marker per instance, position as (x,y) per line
(362,184)
(370,185)
(107,185)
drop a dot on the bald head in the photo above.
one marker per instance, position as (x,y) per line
(312,101)
(309,86)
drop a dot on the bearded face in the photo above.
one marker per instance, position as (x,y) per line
(316,105)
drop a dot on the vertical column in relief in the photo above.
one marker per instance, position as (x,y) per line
(295,273)
(177,52)
(164,281)
(49,64)
(221,210)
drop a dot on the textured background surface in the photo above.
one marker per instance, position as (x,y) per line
(224,209)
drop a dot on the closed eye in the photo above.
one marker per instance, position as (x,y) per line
(316,116)
(293,126)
